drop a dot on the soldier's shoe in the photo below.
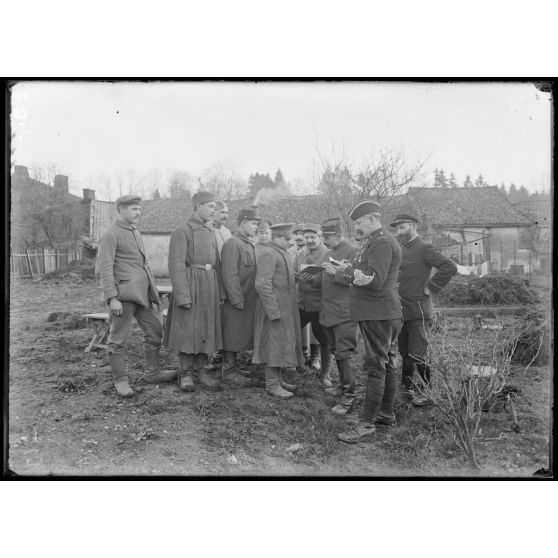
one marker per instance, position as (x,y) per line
(274,387)
(186,382)
(285,385)
(315,364)
(206,379)
(234,378)
(420,400)
(385,420)
(357,433)
(123,388)
(160,377)
(407,395)
(341,409)
(244,372)
(327,384)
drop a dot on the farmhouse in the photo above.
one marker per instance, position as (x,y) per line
(478,226)
(474,226)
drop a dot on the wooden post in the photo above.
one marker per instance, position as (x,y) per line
(29,264)
(514,252)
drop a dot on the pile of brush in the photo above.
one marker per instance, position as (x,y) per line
(532,342)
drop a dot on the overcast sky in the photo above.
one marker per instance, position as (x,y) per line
(500,130)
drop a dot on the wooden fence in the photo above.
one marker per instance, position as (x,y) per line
(38,262)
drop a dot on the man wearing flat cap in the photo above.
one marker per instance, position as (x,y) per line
(129,289)
(375,305)
(310,299)
(277,323)
(335,317)
(238,271)
(194,317)
(415,286)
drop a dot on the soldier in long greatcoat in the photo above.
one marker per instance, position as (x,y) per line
(238,272)
(277,323)
(194,318)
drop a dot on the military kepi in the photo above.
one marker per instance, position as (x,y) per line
(331,226)
(311,227)
(282,228)
(364,208)
(128,199)
(404,218)
(298,228)
(203,197)
(247,215)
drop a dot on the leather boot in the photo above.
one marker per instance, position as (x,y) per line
(373,398)
(285,385)
(154,375)
(273,384)
(203,375)
(120,378)
(326,360)
(315,357)
(407,372)
(186,372)
(230,371)
(385,414)
(348,387)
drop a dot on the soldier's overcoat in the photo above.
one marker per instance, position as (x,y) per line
(277,322)
(198,329)
(238,273)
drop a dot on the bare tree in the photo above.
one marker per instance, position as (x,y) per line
(182,185)
(380,177)
(223,178)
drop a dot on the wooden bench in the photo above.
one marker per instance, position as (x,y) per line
(100,321)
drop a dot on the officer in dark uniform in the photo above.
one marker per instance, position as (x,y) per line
(375,305)
(415,287)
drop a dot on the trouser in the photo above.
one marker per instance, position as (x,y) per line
(380,365)
(413,342)
(317,328)
(119,332)
(341,339)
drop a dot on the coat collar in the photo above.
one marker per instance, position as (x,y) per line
(196,223)
(125,225)
(243,237)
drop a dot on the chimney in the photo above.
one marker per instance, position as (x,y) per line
(61,184)
(21,173)
(88,194)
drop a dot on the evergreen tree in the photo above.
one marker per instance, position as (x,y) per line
(522,194)
(156,194)
(258,181)
(279,178)
(503,189)
(479,182)
(512,194)
(442,180)
(436,181)
(452,182)
(467,183)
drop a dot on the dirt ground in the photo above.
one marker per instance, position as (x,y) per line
(65,418)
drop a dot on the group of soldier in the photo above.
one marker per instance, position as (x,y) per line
(255,291)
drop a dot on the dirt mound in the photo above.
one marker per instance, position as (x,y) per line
(503,289)
(78,270)
(67,320)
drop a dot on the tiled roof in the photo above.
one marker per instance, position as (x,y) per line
(538,211)
(438,206)
(483,206)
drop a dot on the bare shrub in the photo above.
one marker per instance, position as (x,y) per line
(466,377)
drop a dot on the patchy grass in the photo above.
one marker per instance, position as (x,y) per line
(65,417)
